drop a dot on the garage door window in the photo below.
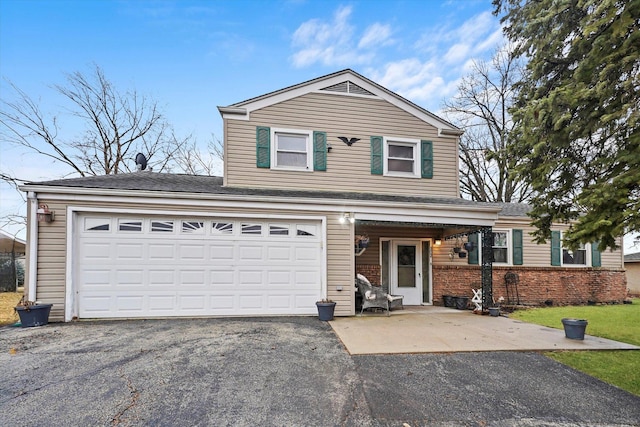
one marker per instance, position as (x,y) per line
(97,224)
(252,229)
(193,227)
(305,230)
(130,225)
(222,228)
(278,230)
(162,226)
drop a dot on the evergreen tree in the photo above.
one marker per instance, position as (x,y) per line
(577,114)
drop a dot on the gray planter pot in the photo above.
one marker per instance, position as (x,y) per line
(494,311)
(35,315)
(325,310)
(574,328)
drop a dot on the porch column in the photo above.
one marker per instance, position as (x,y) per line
(487,267)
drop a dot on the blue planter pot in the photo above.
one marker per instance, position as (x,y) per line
(574,328)
(325,310)
(35,315)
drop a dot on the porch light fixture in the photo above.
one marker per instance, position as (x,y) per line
(44,214)
(346,217)
(438,242)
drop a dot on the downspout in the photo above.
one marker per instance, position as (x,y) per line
(32,220)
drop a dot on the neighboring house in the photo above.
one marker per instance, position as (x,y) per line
(632,266)
(307,169)
(12,251)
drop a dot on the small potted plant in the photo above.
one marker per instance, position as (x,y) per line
(494,310)
(33,313)
(362,241)
(326,308)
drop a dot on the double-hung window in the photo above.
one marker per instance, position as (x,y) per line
(501,247)
(575,257)
(292,149)
(402,157)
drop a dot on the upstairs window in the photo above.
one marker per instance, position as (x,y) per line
(292,149)
(401,157)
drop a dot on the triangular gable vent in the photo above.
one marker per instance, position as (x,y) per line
(348,87)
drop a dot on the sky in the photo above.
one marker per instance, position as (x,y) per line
(192,56)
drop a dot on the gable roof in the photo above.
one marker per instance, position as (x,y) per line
(632,257)
(345,82)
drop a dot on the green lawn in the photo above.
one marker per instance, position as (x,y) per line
(616,322)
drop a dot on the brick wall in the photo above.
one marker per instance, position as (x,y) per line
(537,285)
(370,271)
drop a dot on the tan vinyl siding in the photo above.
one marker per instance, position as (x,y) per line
(51,278)
(348,168)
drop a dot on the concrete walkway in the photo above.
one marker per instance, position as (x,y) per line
(429,329)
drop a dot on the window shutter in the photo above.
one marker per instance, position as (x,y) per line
(516,235)
(427,159)
(377,165)
(263,147)
(319,151)
(556,248)
(596,259)
(473,255)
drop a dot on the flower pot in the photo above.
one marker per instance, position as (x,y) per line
(34,315)
(462,254)
(456,250)
(325,310)
(574,328)
(461,302)
(494,311)
(449,301)
(468,246)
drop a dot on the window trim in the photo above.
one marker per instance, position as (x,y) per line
(407,142)
(274,148)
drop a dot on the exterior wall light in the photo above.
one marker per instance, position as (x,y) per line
(44,214)
(438,242)
(346,218)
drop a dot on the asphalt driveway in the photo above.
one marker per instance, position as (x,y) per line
(288,371)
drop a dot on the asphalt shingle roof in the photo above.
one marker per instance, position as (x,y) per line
(632,257)
(180,183)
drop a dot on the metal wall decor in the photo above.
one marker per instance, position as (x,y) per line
(348,141)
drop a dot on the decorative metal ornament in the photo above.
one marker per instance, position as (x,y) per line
(348,141)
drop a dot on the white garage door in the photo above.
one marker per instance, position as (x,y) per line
(152,266)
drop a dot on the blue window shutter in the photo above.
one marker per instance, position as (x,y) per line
(596,259)
(263,147)
(427,158)
(516,236)
(319,151)
(473,255)
(556,248)
(377,165)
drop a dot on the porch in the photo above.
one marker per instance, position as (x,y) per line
(430,329)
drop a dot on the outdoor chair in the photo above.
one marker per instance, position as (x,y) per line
(375,296)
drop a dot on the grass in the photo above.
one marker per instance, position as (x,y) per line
(616,322)
(8,300)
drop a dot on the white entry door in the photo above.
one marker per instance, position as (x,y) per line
(406,270)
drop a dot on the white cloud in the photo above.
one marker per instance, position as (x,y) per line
(333,43)
(376,35)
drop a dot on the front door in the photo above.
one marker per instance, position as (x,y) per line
(406,271)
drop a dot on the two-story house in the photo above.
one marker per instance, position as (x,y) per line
(309,170)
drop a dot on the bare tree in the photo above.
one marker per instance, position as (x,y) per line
(193,161)
(116,127)
(487,159)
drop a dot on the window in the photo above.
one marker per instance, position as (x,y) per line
(97,224)
(401,157)
(278,230)
(305,230)
(222,228)
(129,225)
(193,227)
(577,257)
(252,229)
(292,149)
(501,247)
(161,226)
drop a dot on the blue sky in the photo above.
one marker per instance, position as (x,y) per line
(192,56)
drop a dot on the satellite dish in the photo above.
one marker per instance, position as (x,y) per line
(141,161)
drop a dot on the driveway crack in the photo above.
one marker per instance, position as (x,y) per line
(134,394)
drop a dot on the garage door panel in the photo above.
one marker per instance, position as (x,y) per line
(129,251)
(191,267)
